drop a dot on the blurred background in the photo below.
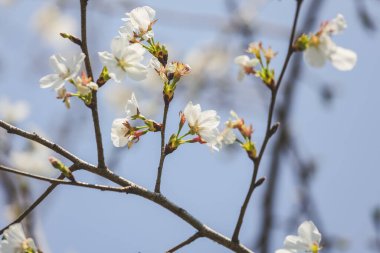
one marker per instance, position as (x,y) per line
(321,165)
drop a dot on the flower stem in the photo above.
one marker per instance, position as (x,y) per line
(163,155)
(94,102)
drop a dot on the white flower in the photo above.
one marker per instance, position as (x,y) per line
(323,49)
(124,60)
(308,240)
(65,69)
(226,137)
(13,112)
(202,123)
(246,65)
(15,241)
(132,107)
(139,22)
(121,132)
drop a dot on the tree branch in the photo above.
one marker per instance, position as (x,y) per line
(268,132)
(163,155)
(34,204)
(161,200)
(51,145)
(281,142)
(63,182)
(132,188)
(94,101)
(184,243)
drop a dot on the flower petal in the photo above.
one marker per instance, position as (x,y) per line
(309,232)
(314,57)
(118,132)
(343,59)
(52,80)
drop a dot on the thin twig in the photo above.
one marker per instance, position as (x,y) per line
(268,132)
(184,243)
(161,200)
(59,181)
(163,154)
(94,101)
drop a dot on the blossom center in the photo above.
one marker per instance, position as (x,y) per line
(314,248)
(122,64)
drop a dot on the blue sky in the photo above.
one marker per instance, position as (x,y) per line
(342,138)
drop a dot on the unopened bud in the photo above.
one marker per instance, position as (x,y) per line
(274,128)
(260,181)
(61,167)
(71,38)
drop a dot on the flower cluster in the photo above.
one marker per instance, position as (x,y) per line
(247,64)
(170,75)
(138,24)
(66,70)
(123,133)
(127,49)
(245,131)
(319,47)
(14,240)
(308,240)
(203,124)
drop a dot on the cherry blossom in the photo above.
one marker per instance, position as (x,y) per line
(124,60)
(308,240)
(15,241)
(65,70)
(322,48)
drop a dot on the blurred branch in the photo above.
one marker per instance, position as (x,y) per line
(364,16)
(34,205)
(184,243)
(281,142)
(270,130)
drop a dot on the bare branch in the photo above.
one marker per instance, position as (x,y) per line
(268,132)
(161,200)
(184,243)
(34,205)
(59,181)
(163,155)
(51,145)
(94,101)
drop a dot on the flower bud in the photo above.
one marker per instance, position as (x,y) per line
(61,167)
(255,49)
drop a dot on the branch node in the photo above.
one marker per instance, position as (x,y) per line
(260,181)
(274,128)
